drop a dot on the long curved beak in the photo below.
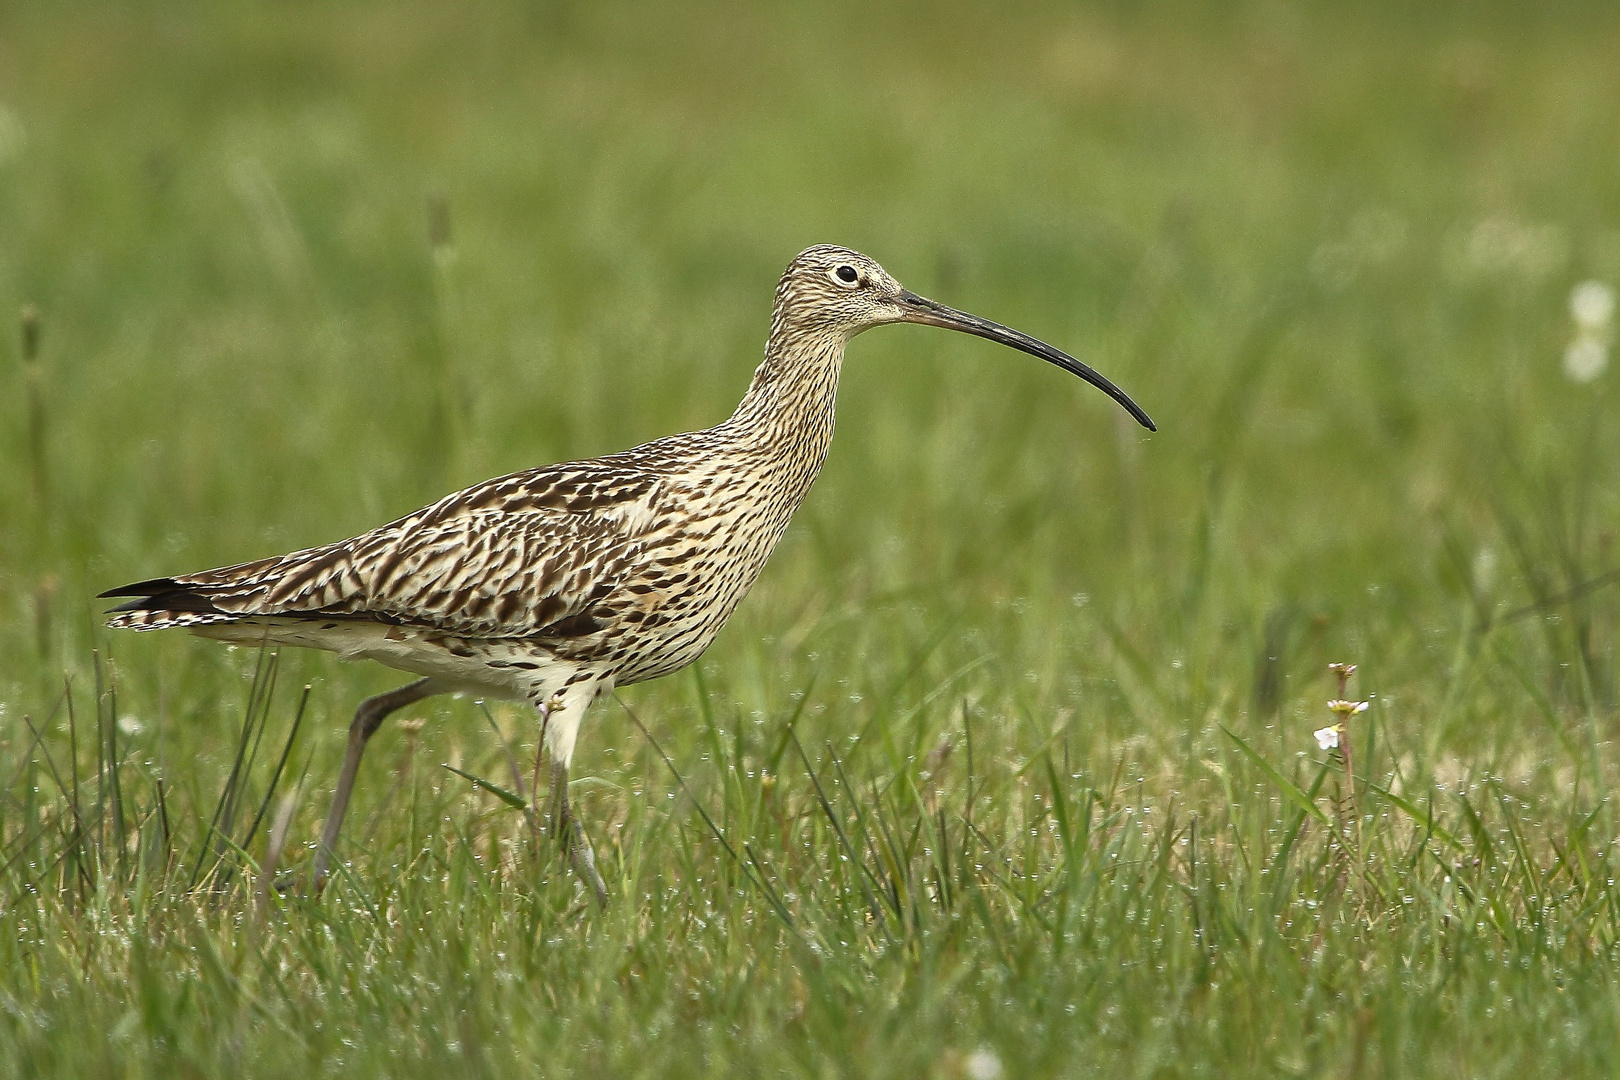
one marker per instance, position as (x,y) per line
(920,309)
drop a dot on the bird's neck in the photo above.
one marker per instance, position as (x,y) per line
(789,406)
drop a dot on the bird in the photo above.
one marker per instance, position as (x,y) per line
(553,586)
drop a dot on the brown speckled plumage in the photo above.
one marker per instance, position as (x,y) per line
(556,584)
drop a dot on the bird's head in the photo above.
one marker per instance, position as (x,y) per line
(829,289)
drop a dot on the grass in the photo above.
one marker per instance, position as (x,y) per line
(1008,760)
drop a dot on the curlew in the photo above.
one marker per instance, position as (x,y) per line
(554,585)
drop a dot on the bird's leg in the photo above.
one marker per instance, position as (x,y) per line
(567,829)
(539,753)
(560,717)
(367,719)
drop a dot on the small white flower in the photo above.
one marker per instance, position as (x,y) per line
(1327,738)
(1347,708)
(130,726)
(1585,358)
(983,1064)
(1591,304)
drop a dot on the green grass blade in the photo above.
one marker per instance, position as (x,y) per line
(514,801)
(1289,789)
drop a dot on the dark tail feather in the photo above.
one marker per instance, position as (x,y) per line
(150,587)
(161,594)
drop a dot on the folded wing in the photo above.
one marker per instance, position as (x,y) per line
(524,555)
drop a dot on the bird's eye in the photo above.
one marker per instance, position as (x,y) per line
(847,274)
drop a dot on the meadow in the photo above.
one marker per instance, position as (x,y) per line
(1008,765)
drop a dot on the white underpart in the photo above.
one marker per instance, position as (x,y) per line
(401,648)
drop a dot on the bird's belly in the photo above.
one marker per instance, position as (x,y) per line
(668,652)
(682,622)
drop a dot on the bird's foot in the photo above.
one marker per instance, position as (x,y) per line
(584,860)
(568,831)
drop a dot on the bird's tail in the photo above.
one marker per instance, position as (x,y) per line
(162,603)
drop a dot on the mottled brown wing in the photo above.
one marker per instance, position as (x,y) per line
(512,557)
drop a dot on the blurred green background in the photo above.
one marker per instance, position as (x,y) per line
(302,267)
(1330,251)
